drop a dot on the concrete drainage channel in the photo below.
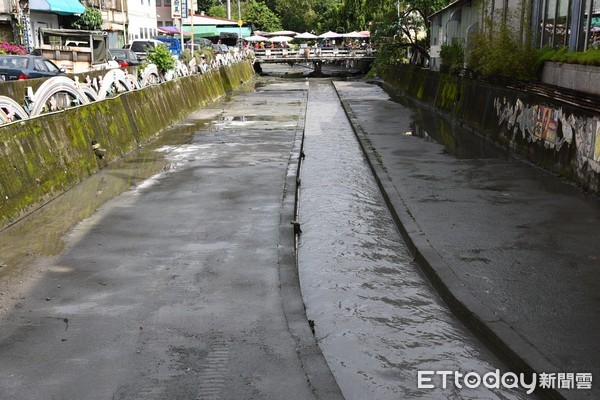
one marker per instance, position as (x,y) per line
(495,333)
(317,370)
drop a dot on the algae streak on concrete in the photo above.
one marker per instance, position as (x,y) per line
(560,136)
(44,156)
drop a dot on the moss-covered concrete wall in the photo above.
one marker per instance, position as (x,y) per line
(561,136)
(43,156)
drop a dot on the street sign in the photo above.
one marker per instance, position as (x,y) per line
(179,9)
(176,9)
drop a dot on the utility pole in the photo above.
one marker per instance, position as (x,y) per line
(228,9)
(192,10)
(240,24)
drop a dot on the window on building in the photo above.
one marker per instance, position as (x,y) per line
(594,23)
(555,24)
(561,34)
(168,23)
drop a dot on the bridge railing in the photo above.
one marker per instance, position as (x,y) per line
(312,53)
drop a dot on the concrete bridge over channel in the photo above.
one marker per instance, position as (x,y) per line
(359,59)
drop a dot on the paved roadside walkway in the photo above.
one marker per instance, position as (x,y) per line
(513,249)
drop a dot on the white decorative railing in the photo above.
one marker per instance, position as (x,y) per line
(61,92)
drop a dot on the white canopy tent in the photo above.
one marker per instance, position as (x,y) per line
(277,39)
(256,38)
(281,33)
(330,35)
(355,35)
(305,35)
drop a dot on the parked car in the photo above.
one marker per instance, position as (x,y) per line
(199,44)
(220,48)
(173,44)
(17,67)
(141,46)
(125,57)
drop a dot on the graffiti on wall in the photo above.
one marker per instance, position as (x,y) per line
(552,127)
(597,139)
(546,123)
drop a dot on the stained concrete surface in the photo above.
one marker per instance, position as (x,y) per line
(377,319)
(513,248)
(172,289)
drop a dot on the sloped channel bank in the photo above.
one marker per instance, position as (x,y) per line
(556,128)
(42,157)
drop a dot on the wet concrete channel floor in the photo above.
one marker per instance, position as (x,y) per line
(511,247)
(378,321)
(170,290)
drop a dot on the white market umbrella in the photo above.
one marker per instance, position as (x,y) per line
(276,39)
(282,33)
(330,35)
(355,34)
(256,38)
(305,35)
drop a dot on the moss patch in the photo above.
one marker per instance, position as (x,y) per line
(43,156)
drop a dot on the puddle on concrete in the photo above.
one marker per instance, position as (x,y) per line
(40,233)
(458,141)
(256,118)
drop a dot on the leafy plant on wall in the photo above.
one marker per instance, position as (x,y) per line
(453,55)
(91,19)
(504,46)
(162,58)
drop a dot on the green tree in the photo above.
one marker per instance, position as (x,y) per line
(218,11)
(352,15)
(162,58)
(261,17)
(396,30)
(296,15)
(413,13)
(205,5)
(272,4)
(500,49)
(328,16)
(91,19)
(453,55)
